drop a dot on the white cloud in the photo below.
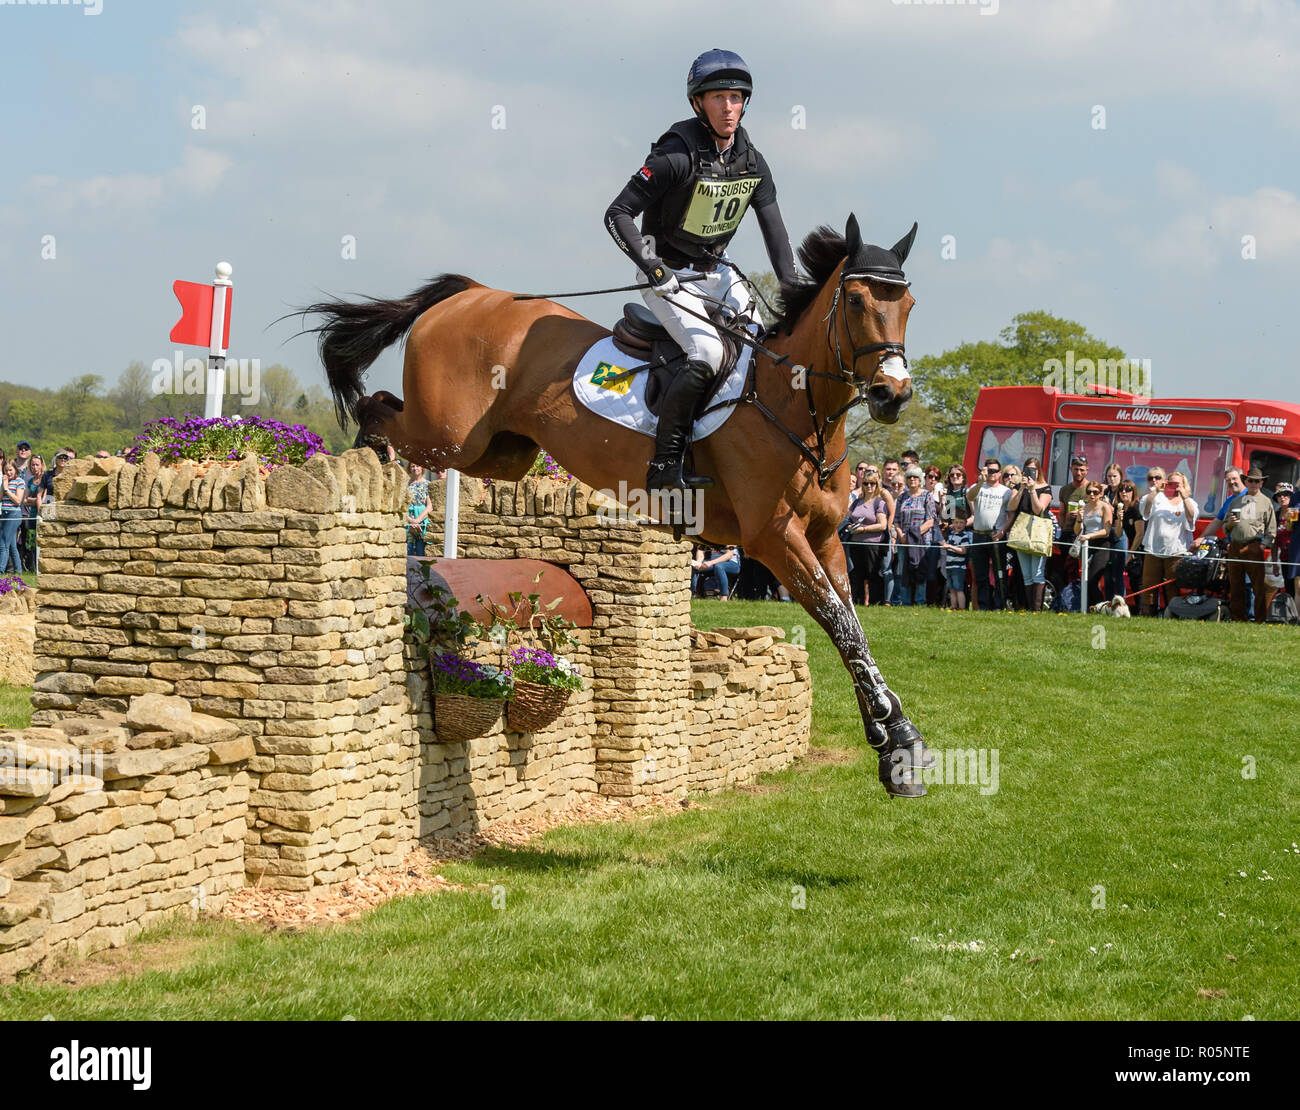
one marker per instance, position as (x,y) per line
(198,173)
(1033,261)
(1207,227)
(1090,195)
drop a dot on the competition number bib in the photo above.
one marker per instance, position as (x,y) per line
(717,207)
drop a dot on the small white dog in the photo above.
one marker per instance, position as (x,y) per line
(1115,607)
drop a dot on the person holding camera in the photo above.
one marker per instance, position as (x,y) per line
(1170,516)
(1032,495)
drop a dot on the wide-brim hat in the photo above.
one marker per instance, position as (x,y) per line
(1255,473)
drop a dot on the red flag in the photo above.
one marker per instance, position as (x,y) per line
(194,329)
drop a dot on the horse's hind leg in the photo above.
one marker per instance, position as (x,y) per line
(823,591)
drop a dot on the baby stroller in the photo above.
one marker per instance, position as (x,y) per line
(1202,579)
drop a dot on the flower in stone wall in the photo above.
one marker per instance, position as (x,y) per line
(543,466)
(454,674)
(11,583)
(538,665)
(226,438)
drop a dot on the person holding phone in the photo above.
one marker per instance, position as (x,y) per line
(1170,517)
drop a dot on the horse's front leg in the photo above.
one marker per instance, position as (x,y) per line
(901,731)
(819,581)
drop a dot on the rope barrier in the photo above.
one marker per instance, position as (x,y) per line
(1064,544)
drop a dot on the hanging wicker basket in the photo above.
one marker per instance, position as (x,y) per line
(457,717)
(535,705)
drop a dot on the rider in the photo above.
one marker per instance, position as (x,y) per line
(694,188)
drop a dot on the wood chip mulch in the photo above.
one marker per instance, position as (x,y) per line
(418,873)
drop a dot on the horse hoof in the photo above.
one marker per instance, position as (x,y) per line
(900,778)
(904,735)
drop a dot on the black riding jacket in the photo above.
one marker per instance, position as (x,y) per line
(693,199)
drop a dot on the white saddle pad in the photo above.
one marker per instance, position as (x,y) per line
(624,401)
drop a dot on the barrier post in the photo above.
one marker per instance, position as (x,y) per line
(451,515)
(1083,577)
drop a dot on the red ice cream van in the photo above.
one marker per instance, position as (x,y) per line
(1197,437)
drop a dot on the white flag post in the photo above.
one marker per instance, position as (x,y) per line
(451,515)
(216,352)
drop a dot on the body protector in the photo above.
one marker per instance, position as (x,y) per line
(698,217)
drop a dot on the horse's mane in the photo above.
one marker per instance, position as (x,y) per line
(819,254)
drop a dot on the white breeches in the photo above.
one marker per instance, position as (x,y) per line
(698,339)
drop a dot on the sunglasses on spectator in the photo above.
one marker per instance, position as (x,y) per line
(1254,479)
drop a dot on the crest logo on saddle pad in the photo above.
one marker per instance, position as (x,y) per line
(609,376)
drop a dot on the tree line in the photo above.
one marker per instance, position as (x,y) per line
(89,416)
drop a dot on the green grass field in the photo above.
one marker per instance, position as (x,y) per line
(1120,766)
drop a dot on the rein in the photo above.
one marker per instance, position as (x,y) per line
(820,427)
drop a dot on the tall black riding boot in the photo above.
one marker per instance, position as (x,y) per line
(676,411)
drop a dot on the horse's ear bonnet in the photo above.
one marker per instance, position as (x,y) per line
(874,263)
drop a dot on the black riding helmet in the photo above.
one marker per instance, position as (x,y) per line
(717,69)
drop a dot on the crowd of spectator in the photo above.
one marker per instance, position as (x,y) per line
(918,535)
(26,483)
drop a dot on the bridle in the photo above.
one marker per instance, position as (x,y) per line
(833,329)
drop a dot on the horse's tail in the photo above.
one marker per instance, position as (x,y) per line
(354,334)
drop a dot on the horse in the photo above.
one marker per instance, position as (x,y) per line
(487,385)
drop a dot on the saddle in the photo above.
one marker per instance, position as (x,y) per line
(639,335)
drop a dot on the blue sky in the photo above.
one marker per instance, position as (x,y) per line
(326,119)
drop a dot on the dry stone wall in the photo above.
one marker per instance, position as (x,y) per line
(109,822)
(231,645)
(274,601)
